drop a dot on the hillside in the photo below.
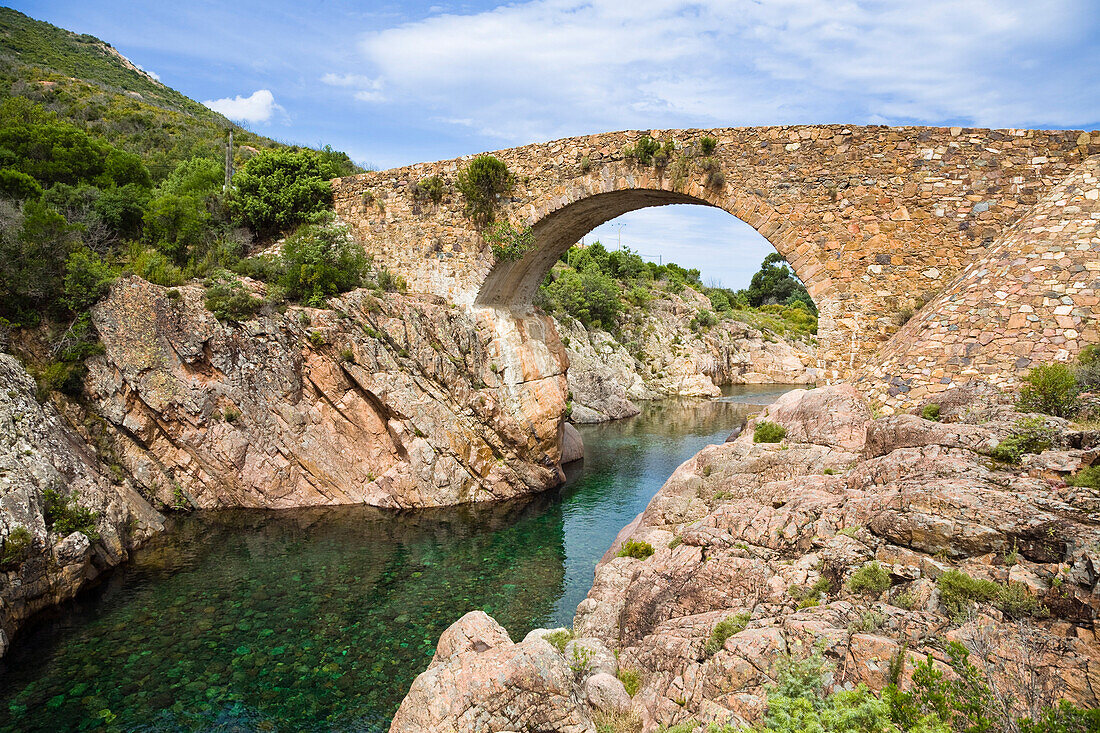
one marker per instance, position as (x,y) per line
(88,82)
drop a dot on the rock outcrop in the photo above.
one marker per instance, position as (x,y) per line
(670,358)
(768,538)
(394,401)
(44,467)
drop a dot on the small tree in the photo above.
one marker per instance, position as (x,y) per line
(480,183)
(1050,389)
(277,189)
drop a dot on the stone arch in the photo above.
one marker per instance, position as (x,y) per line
(558,221)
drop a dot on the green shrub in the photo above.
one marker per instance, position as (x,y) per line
(15,547)
(1050,389)
(558,639)
(429,189)
(1016,601)
(871,580)
(631,679)
(768,432)
(643,150)
(177,225)
(87,280)
(958,590)
(1087,371)
(591,296)
(704,319)
(64,516)
(35,241)
(636,550)
(156,268)
(229,300)
(390,282)
(707,145)
(320,260)
(480,183)
(1029,435)
(931,411)
(507,242)
(277,189)
(723,630)
(1063,718)
(1087,477)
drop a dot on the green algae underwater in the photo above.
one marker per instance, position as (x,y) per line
(319,619)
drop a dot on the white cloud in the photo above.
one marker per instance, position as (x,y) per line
(257,107)
(367,89)
(559,67)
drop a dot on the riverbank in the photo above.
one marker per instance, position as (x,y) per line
(220,617)
(879,543)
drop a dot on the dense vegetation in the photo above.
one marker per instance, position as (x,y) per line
(602,289)
(964,700)
(103,171)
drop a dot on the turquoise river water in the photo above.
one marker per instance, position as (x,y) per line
(319,619)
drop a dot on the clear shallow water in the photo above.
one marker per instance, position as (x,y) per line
(319,619)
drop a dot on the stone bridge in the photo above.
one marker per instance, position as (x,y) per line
(876,221)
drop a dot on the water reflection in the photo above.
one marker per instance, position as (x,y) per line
(318,619)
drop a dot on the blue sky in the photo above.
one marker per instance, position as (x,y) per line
(402,82)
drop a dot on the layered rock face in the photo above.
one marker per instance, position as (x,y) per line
(672,359)
(394,401)
(768,537)
(42,562)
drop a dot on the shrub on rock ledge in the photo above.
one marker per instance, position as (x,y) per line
(871,580)
(768,432)
(636,550)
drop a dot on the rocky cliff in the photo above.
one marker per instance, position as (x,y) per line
(394,401)
(390,400)
(669,357)
(852,536)
(51,550)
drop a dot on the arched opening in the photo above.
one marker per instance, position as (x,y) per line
(513,284)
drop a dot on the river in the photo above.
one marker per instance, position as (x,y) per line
(319,619)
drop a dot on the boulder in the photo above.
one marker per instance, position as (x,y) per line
(835,416)
(480,682)
(604,692)
(572,445)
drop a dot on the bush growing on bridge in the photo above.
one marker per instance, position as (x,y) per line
(643,150)
(507,242)
(480,183)
(429,189)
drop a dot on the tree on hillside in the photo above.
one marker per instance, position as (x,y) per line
(278,189)
(774,283)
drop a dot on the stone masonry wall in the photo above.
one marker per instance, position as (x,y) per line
(875,220)
(1032,299)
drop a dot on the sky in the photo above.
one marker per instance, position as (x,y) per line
(394,83)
